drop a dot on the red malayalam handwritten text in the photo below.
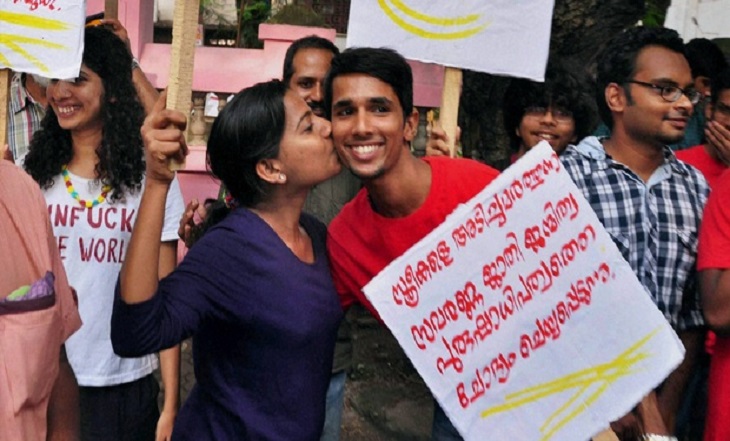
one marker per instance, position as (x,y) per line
(535,237)
(499,369)
(406,290)
(34,4)
(535,177)
(532,179)
(489,319)
(542,278)
(487,322)
(549,328)
(471,228)
(494,272)
(464,302)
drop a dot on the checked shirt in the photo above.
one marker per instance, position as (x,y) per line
(24,118)
(654,224)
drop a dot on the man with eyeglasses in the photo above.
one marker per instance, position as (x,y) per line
(648,201)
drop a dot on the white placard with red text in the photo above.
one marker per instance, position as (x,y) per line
(503,37)
(522,316)
(43,37)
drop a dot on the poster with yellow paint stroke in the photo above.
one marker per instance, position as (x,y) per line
(43,37)
(521,314)
(503,37)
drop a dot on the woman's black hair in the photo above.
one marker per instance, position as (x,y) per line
(121,154)
(246,131)
(566,86)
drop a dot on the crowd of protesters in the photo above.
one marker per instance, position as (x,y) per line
(322,191)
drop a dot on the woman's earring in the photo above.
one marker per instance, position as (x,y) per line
(282,177)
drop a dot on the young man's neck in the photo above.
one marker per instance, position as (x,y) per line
(641,157)
(401,191)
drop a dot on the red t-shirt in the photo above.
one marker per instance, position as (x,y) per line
(711,169)
(361,242)
(714,253)
(698,157)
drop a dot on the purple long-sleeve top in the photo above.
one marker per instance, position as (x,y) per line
(263,324)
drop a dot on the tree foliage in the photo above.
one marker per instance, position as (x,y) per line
(252,15)
(300,15)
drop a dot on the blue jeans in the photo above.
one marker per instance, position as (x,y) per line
(442,429)
(333,407)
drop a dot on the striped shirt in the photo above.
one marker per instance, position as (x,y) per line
(24,118)
(654,224)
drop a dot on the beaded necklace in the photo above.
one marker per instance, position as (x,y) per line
(74,194)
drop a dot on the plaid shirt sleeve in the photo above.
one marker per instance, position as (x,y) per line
(24,118)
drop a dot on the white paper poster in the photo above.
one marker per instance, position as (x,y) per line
(522,316)
(43,37)
(503,37)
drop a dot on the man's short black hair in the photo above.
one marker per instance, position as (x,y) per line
(705,58)
(720,83)
(617,61)
(384,64)
(310,42)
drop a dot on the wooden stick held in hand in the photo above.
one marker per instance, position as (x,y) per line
(4,101)
(180,84)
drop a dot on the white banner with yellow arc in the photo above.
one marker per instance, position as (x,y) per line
(503,37)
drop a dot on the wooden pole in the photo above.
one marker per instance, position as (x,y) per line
(180,83)
(449,113)
(111,9)
(5,75)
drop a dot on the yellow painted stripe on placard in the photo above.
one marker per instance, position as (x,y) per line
(28,57)
(601,376)
(32,21)
(9,39)
(430,19)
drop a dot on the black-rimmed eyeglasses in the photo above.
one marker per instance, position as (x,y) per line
(671,93)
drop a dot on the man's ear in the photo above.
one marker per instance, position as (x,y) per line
(709,110)
(616,98)
(703,85)
(411,126)
(269,170)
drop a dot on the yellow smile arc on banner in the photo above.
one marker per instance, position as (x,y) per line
(388,7)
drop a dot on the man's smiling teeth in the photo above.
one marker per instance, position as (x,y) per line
(364,149)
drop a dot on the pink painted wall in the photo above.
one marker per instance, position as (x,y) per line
(229,70)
